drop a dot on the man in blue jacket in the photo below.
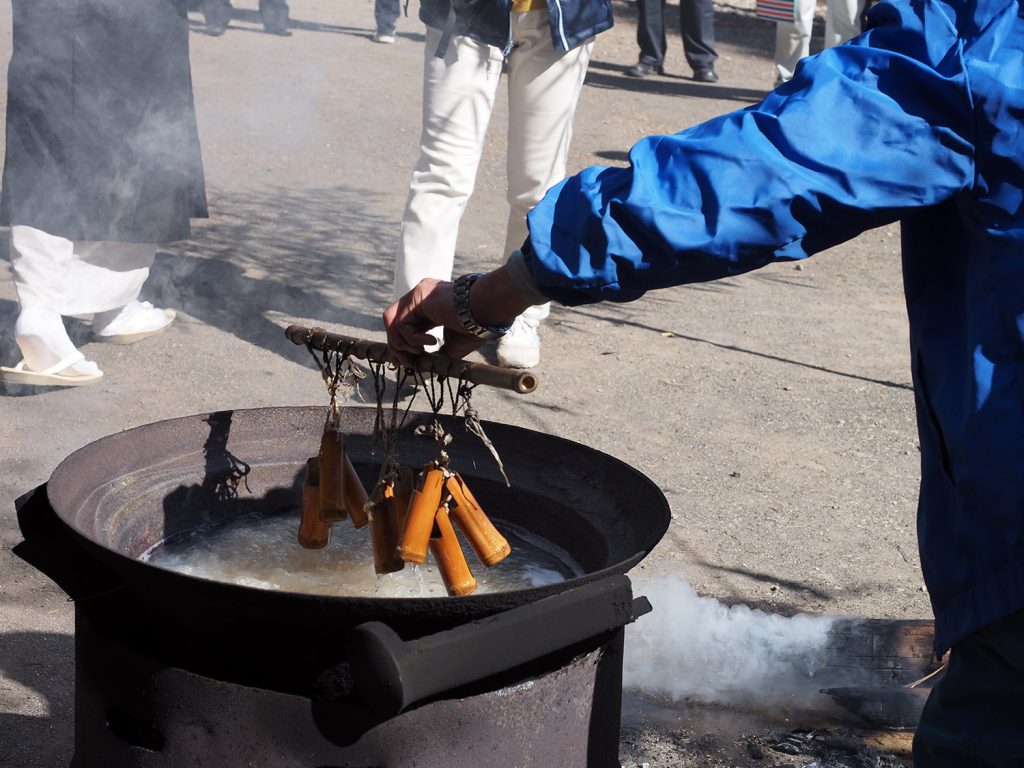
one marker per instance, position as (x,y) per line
(928,105)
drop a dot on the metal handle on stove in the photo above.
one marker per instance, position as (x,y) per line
(391,674)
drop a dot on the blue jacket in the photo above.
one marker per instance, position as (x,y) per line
(573,22)
(917,120)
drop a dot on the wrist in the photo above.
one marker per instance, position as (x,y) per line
(466,312)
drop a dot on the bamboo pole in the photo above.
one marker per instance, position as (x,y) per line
(523,382)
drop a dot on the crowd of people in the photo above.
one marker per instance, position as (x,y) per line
(77,251)
(930,96)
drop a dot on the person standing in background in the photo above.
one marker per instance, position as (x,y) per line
(697,25)
(546,47)
(273,13)
(102,162)
(386,13)
(793,38)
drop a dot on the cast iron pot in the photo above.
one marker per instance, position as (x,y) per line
(112,500)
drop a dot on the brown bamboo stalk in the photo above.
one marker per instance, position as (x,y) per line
(447,552)
(332,475)
(314,533)
(490,546)
(523,382)
(420,520)
(402,496)
(355,495)
(384,533)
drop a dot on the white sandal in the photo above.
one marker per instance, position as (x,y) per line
(133,310)
(56,375)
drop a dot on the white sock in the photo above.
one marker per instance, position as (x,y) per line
(131,318)
(44,341)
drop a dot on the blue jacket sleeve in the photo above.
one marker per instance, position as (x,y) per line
(863,132)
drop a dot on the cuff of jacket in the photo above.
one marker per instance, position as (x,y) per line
(522,279)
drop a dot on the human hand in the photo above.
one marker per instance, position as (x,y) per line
(493,302)
(428,305)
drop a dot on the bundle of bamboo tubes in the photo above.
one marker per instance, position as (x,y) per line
(405,518)
(331,492)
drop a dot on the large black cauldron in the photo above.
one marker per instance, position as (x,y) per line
(477,680)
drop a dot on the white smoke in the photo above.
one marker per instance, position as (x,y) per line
(693,647)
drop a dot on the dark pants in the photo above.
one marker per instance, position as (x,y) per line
(386,13)
(974,718)
(274,14)
(696,22)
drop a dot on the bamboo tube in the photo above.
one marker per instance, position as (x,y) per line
(384,533)
(447,552)
(355,495)
(402,491)
(314,533)
(420,520)
(490,546)
(332,475)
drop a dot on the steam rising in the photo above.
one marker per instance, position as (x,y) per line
(693,647)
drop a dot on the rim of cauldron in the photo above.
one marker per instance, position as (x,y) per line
(141,576)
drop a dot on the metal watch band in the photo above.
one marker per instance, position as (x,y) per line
(486,332)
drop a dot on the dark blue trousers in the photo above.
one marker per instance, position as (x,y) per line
(974,717)
(696,22)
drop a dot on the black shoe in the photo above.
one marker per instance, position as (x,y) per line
(705,75)
(216,30)
(279,31)
(642,69)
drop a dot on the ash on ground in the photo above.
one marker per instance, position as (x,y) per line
(662,734)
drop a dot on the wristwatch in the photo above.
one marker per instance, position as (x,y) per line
(486,332)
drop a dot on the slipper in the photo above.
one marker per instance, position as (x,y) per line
(130,337)
(54,376)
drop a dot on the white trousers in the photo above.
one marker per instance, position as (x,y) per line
(458,96)
(793,39)
(76,277)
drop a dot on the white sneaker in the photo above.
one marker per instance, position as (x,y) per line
(384,38)
(520,347)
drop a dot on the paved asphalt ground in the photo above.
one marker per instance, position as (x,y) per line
(773,409)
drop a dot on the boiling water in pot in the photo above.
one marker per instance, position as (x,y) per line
(261,551)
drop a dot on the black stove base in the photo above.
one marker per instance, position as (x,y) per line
(134,712)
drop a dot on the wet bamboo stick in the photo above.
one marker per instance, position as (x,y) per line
(523,382)
(447,552)
(332,475)
(419,522)
(314,533)
(355,495)
(384,532)
(490,546)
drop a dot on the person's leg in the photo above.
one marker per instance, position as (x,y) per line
(274,14)
(974,715)
(697,24)
(544,86)
(650,37)
(217,14)
(842,21)
(793,39)
(42,267)
(543,89)
(386,13)
(458,95)
(118,315)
